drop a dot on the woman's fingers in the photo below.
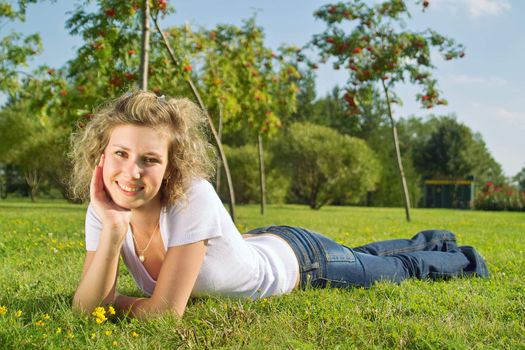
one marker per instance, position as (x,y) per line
(97,182)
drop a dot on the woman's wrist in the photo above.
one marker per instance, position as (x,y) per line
(113,235)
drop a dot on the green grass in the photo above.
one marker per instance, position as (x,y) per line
(41,255)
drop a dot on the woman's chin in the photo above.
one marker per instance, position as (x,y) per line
(123,203)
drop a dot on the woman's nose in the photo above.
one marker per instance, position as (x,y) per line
(133,169)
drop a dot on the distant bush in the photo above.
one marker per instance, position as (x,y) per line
(501,197)
(244,168)
(325,166)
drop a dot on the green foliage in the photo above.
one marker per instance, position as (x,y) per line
(15,49)
(324,165)
(444,147)
(500,197)
(252,86)
(520,179)
(244,167)
(42,251)
(33,144)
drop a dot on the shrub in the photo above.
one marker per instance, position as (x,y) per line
(325,166)
(244,168)
(501,197)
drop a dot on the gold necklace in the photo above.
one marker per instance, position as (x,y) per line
(142,251)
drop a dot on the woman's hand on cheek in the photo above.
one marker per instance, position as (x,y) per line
(109,212)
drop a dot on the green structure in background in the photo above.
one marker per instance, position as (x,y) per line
(449,193)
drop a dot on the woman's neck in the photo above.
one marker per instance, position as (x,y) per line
(147,216)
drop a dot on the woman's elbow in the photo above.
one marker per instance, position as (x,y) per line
(165,308)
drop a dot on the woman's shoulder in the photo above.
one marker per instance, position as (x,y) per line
(199,193)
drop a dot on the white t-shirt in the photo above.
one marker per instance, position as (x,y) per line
(255,267)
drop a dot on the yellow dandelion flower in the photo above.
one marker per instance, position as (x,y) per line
(111,310)
(134,334)
(99,311)
(18,313)
(59,330)
(3,309)
(46,317)
(44,335)
(100,320)
(93,335)
(40,323)
(108,332)
(70,334)
(115,343)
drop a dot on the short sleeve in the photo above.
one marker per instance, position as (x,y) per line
(93,229)
(196,218)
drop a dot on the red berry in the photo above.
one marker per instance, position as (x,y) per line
(188,68)
(163,4)
(50,71)
(330,40)
(425,98)
(111,12)
(63,92)
(131,52)
(356,50)
(332,10)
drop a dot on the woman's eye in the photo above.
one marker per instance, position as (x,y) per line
(120,153)
(151,160)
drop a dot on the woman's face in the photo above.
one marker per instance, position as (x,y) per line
(135,162)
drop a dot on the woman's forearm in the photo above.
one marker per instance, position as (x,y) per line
(141,308)
(97,283)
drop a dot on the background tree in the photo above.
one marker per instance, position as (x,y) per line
(324,165)
(15,49)
(520,179)
(379,50)
(31,143)
(247,83)
(444,147)
(243,164)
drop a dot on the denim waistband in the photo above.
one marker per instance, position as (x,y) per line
(306,247)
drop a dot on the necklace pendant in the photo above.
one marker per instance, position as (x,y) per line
(141,258)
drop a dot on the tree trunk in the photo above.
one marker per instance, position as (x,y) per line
(262,179)
(144,54)
(210,121)
(219,163)
(398,154)
(33,181)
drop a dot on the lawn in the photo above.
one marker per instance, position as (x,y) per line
(41,255)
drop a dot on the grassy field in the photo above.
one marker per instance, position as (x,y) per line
(41,255)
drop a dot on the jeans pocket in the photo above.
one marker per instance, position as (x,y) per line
(333,251)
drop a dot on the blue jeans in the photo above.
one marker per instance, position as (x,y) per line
(431,254)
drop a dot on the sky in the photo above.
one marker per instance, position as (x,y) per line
(485,89)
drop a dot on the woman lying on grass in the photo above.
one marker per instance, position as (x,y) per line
(143,163)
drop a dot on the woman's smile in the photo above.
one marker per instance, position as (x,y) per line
(130,190)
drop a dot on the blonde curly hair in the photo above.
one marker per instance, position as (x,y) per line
(189,153)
